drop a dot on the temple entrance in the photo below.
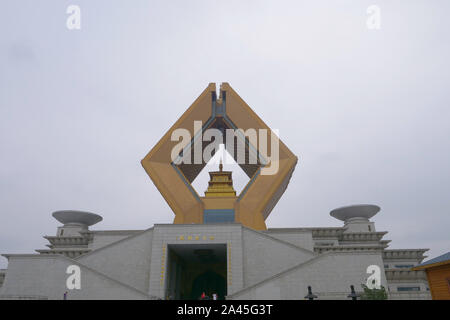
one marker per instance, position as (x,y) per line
(196,268)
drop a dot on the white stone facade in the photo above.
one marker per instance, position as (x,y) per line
(273,264)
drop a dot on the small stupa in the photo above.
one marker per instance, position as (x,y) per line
(220,184)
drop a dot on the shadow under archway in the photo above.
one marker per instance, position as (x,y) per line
(196,268)
(209,282)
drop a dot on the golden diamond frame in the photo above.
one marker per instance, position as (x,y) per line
(255,202)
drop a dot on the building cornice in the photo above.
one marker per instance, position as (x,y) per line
(404,254)
(112,232)
(346,248)
(327,233)
(27,255)
(68,252)
(67,241)
(362,236)
(395,274)
(89,234)
(287,230)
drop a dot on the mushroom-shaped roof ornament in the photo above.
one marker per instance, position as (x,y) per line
(366,211)
(74,217)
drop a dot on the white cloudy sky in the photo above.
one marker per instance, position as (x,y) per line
(367,112)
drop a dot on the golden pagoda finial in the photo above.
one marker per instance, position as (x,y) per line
(220,184)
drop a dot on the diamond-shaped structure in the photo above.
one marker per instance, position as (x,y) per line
(255,202)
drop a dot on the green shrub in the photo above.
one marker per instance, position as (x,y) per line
(373,294)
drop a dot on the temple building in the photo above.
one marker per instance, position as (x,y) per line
(218,243)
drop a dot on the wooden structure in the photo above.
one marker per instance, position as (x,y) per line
(438,274)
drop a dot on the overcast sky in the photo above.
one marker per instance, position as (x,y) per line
(366,111)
